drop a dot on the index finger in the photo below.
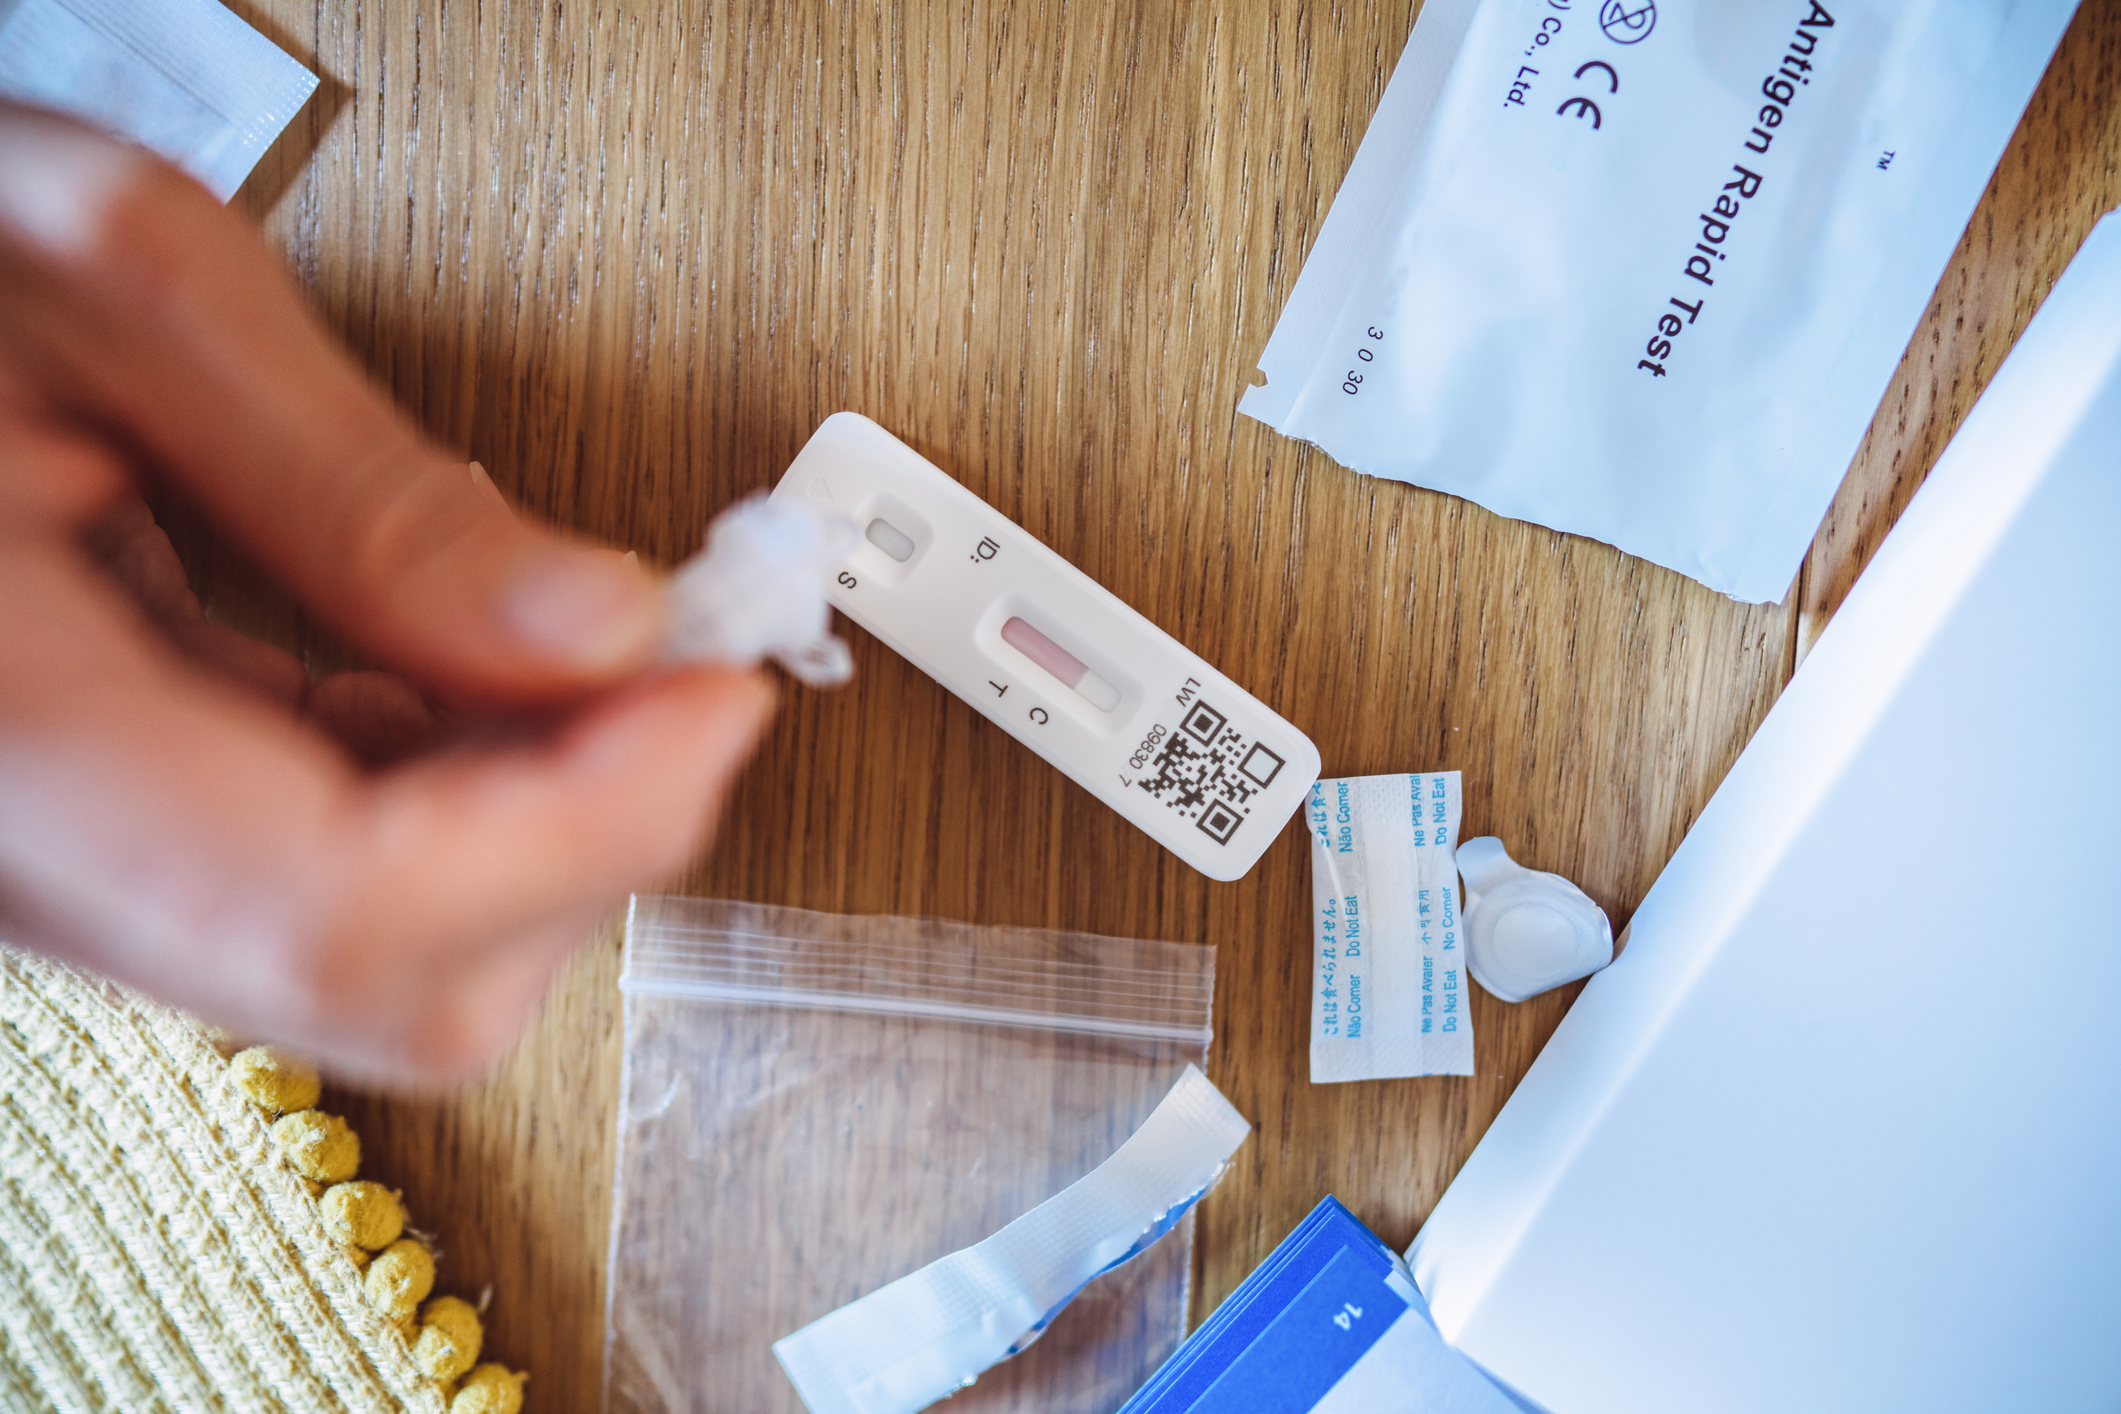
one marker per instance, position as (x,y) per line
(163,828)
(135,300)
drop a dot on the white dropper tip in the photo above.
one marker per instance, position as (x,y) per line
(1527,932)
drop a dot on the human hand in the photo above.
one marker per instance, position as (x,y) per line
(180,808)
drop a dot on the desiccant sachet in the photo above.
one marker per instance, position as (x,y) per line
(185,78)
(1390,995)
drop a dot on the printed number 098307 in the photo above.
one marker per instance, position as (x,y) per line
(1140,758)
(1352,384)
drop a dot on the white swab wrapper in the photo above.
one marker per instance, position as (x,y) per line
(183,77)
(927,1335)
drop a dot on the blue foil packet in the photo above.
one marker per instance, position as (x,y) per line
(1330,1323)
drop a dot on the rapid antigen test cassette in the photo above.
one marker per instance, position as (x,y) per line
(1050,656)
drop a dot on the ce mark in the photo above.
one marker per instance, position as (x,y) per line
(1584,107)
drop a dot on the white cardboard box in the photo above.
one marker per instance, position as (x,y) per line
(1841,1129)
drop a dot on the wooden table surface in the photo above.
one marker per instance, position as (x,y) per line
(628,253)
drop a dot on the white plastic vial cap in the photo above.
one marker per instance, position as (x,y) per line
(1527,932)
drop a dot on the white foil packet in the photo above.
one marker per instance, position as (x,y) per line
(932,1332)
(185,78)
(1390,994)
(1643,272)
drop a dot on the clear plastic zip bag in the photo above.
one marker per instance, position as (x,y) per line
(815,1105)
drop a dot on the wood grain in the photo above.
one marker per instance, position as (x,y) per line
(629,254)
(2056,179)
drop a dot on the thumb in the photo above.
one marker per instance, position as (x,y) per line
(159,314)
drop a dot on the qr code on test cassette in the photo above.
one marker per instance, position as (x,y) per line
(1209,772)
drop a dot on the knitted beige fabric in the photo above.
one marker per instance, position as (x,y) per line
(154,1253)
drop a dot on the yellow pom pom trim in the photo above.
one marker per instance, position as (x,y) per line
(275,1081)
(449,1339)
(320,1146)
(399,1279)
(363,1217)
(490,1389)
(363,1214)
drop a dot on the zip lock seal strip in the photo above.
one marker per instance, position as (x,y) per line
(813,1105)
(931,1333)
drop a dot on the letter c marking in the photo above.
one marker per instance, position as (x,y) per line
(1611,77)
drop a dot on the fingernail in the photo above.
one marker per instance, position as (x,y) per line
(588,610)
(484,482)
